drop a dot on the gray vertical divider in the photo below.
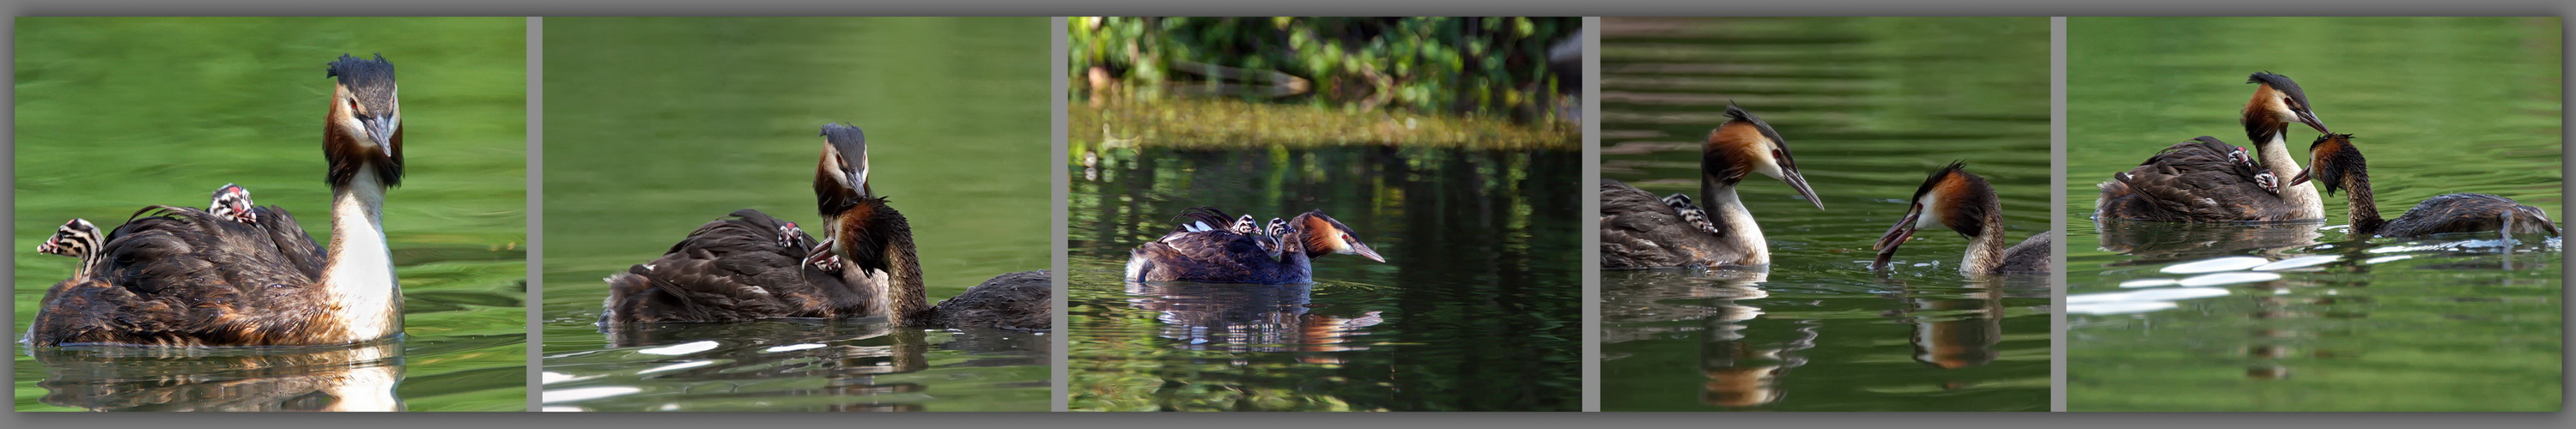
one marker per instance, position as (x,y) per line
(2057,210)
(1592,224)
(1060,45)
(536,213)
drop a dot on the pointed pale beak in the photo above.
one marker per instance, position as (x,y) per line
(380,130)
(1799,183)
(1364,251)
(2302,177)
(1896,236)
(2310,118)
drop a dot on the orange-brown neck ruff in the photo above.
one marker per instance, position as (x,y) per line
(2261,118)
(1733,150)
(873,237)
(856,236)
(346,149)
(1322,235)
(2338,165)
(1969,201)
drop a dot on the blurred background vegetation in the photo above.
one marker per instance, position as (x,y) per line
(1455,81)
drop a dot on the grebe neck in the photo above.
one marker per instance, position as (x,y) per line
(1739,231)
(1986,250)
(366,297)
(2365,208)
(2276,157)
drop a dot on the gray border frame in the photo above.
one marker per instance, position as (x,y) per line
(1061,262)
(2057,210)
(1592,224)
(535,296)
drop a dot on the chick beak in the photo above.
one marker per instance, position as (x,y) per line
(1896,236)
(1799,183)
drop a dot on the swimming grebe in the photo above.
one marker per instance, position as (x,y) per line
(1640,231)
(1954,198)
(2335,162)
(184,277)
(2198,180)
(1200,252)
(754,266)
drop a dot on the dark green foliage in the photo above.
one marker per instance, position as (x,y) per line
(1484,66)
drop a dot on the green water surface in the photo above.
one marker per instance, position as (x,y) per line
(114,114)
(1477,306)
(2439,105)
(1868,107)
(658,125)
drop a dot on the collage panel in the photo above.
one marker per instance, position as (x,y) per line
(400,286)
(1825,214)
(2240,254)
(1325,214)
(796,214)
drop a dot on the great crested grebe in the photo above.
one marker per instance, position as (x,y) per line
(1200,252)
(2201,180)
(184,277)
(1954,198)
(1640,231)
(754,266)
(2335,162)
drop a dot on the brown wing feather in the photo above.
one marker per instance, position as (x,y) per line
(183,277)
(2033,255)
(2192,181)
(2468,212)
(1016,301)
(1217,256)
(727,270)
(1641,231)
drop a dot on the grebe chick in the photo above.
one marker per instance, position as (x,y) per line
(182,277)
(77,239)
(2206,181)
(1273,236)
(1199,254)
(232,202)
(1963,202)
(2335,162)
(1641,231)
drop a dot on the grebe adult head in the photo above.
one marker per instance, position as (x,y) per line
(1742,146)
(2336,165)
(840,185)
(842,173)
(1951,197)
(2277,103)
(2331,158)
(365,121)
(1324,235)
